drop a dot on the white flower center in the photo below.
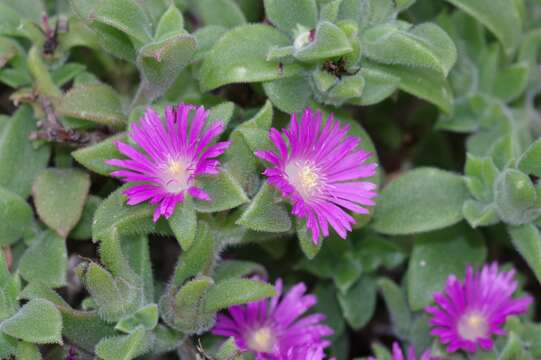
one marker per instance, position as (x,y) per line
(304,177)
(261,340)
(175,176)
(473,326)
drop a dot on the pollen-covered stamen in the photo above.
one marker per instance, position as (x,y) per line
(473,326)
(304,177)
(261,340)
(176,175)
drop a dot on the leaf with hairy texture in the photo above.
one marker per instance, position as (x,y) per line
(397,305)
(114,216)
(421,200)
(286,15)
(38,322)
(224,13)
(224,191)
(16,217)
(93,157)
(60,195)
(125,347)
(264,214)
(489,12)
(527,241)
(95,102)
(240,56)
(183,222)
(236,291)
(84,328)
(529,161)
(425,45)
(359,302)
(290,94)
(45,261)
(20,162)
(424,83)
(160,62)
(438,254)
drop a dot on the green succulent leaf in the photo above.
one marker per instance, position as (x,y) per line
(266,212)
(171,23)
(236,291)
(113,216)
(290,94)
(199,258)
(397,304)
(20,161)
(184,311)
(37,322)
(147,316)
(27,351)
(160,62)
(479,214)
(124,347)
(114,297)
(84,328)
(511,82)
(224,191)
(237,268)
(425,45)
(16,217)
(308,247)
(240,56)
(127,16)
(224,13)
(183,222)
(529,161)
(329,42)
(45,261)
(94,157)
(83,229)
(421,200)
(515,197)
(359,303)
(288,15)
(95,102)
(438,254)
(60,195)
(527,241)
(421,82)
(506,28)
(10,287)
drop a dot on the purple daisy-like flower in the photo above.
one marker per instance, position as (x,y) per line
(319,168)
(468,313)
(275,329)
(399,355)
(173,154)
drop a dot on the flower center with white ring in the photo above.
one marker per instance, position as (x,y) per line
(473,326)
(175,176)
(261,340)
(304,177)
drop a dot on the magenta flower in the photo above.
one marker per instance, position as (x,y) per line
(399,355)
(320,169)
(274,329)
(468,313)
(173,155)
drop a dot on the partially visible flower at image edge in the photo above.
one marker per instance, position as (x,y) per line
(399,355)
(275,328)
(320,170)
(468,313)
(174,153)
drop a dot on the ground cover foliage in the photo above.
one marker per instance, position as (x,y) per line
(439,97)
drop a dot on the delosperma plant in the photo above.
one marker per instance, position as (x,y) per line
(270,179)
